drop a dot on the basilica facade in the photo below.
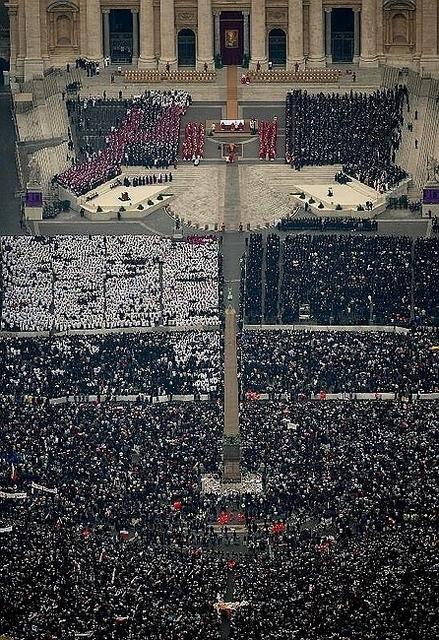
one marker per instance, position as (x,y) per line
(193,33)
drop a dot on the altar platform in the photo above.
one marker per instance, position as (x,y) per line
(107,202)
(238,127)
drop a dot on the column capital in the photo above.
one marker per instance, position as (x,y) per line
(134,11)
(328,9)
(106,11)
(245,13)
(356,9)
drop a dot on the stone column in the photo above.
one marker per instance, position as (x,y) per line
(356,35)
(135,14)
(167,33)
(429,55)
(107,52)
(368,57)
(14,40)
(217,15)
(316,42)
(258,35)
(205,34)
(146,19)
(94,31)
(21,40)
(295,33)
(246,15)
(33,62)
(328,36)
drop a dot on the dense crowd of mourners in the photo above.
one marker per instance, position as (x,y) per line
(360,131)
(120,550)
(353,486)
(116,364)
(345,279)
(87,282)
(106,534)
(141,131)
(311,362)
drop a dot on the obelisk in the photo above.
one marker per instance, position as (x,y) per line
(232,448)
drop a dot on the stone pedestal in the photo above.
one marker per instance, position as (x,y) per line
(231,463)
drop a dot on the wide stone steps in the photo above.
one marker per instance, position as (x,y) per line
(284,179)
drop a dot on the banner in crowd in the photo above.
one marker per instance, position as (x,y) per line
(20,495)
(230,606)
(6,529)
(34,485)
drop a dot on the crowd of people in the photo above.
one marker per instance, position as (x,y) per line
(268,139)
(314,362)
(194,141)
(347,279)
(298,223)
(106,534)
(116,364)
(143,131)
(360,131)
(107,542)
(80,282)
(353,486)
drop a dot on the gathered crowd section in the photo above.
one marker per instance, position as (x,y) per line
(303,363)
(81,282)
(345,279)
(106,532)
(360,131)
(107,433)
(343,536)
(142,131)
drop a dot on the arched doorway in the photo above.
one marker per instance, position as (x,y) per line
(186,48)
(277,47)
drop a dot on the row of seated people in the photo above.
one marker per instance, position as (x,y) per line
(178,75)
(194,141)
(360,131)
(268,139)
(347,279)
(327,224)
(310,76)
(147,135)
(143,181)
